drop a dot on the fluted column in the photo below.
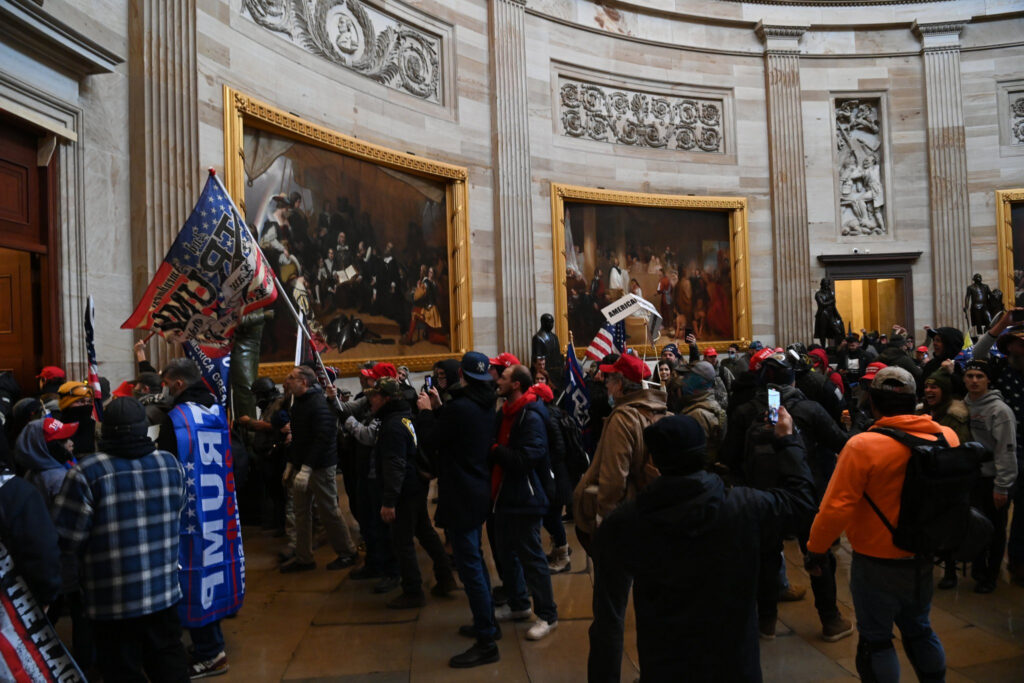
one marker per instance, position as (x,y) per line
(947,169)
(512,184)
(164,124)
(794,285)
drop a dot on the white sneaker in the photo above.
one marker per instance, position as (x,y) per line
(506,613)
(540,629)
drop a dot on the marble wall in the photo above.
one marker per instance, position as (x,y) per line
(705,48)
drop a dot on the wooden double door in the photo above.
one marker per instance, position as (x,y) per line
(29,336)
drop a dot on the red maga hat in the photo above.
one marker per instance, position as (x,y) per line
(55,430)
(630,367)
(504,360)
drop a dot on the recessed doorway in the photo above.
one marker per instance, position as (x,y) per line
(872,304)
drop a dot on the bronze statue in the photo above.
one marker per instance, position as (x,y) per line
(976,305)
(828,324)
(546,345)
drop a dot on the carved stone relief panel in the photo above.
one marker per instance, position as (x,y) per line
(1016,114)
(860,167)
(641,119)
(359,37)
(1010,113)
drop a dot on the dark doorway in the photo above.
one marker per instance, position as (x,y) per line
(29,330)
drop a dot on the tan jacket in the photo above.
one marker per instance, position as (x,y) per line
(711,418)
(621,465)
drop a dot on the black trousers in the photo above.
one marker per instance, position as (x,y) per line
(413,521)
(130,650)
(987,564)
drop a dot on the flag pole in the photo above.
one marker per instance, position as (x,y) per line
(280,288)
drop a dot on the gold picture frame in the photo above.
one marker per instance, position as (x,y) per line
(1005,199)
(242,112)
(734,207)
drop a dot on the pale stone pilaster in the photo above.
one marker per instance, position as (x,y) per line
(794,284)
(947,169)
(164,123)
(512,185)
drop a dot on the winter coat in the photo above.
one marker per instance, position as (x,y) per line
(32,454)
(457,438)
(952,343)
(821,365)
(819,388)
(993,425)
(557,454)
(898,357)
(196,393)
(701,617)
(621,464)
(394,454)
(523,462)
(1009,381)
(30,537)
(314,431)
(954,414)
(709,414)
(820,434)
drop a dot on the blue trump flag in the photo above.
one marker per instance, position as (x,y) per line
(575,399)
(212,573)
(215,370)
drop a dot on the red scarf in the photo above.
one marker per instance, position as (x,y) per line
(509,412)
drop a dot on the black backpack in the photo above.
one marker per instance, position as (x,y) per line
(936,517)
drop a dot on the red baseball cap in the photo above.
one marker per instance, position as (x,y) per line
(871,370)
(125,390)
(922,349)
(712,352)
(51,372)
(379,371)
(504,360)
(629,366)
(759,357)
(55,430)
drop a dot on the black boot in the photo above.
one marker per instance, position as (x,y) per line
(948,579)
(482,652)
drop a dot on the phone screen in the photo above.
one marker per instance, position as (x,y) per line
(773,405)
(428,382)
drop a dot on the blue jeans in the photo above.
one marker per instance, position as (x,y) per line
(525,564)
(207,641)
(894,591)
(469,562)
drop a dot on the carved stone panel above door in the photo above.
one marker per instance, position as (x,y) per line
(381,45)
(860,167)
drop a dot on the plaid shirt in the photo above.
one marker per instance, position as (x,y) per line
(122,516)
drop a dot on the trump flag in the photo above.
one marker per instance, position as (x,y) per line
(213,275)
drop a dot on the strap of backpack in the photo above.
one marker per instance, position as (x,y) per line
(885,520)
(909,440)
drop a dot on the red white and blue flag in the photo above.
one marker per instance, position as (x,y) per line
(213,275)
(611,338)
(575,399)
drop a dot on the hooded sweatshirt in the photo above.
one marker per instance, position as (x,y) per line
(32,453)
(993,424)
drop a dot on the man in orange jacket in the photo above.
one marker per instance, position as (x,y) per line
(889,585)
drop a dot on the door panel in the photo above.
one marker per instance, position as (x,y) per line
(17,326)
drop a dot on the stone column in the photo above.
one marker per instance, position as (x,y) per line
(794,284)
(947,170)
(164,133)
(512,184)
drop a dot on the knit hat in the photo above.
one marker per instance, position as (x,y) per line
(701,377)
(70,392)
(122,417)
(630,367)
(55,430)
(943,380)
(756,345)
(475,365)
(978,366)
(677,444)
(24,410)
(671,348)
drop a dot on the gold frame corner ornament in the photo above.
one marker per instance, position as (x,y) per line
(1004,233)
(738,242)
(242,111)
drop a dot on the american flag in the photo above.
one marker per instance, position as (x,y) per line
(609,339)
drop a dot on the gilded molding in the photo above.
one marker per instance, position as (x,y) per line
(738,233)
(359,37)
(1005,199)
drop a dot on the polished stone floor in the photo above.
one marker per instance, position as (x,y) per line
(320,626)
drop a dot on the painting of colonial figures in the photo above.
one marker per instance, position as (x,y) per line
(860,163)
(678,259)
(361,249)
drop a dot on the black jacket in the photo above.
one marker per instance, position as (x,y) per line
(457,438)
(196,393)
(314,431)
(524,461)
(395,453)
(701,617)
(952,344)
(30,537)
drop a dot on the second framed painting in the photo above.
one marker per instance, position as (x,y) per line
(686,255)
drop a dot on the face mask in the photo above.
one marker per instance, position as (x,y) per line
(732,354)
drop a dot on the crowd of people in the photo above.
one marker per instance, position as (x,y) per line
(682,484)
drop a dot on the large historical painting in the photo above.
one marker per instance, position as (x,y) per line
(1010,228)
(685,255)
(362,246)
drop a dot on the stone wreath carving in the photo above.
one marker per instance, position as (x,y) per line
(360,38)
(1017,119)
(859,168)
(640,119)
